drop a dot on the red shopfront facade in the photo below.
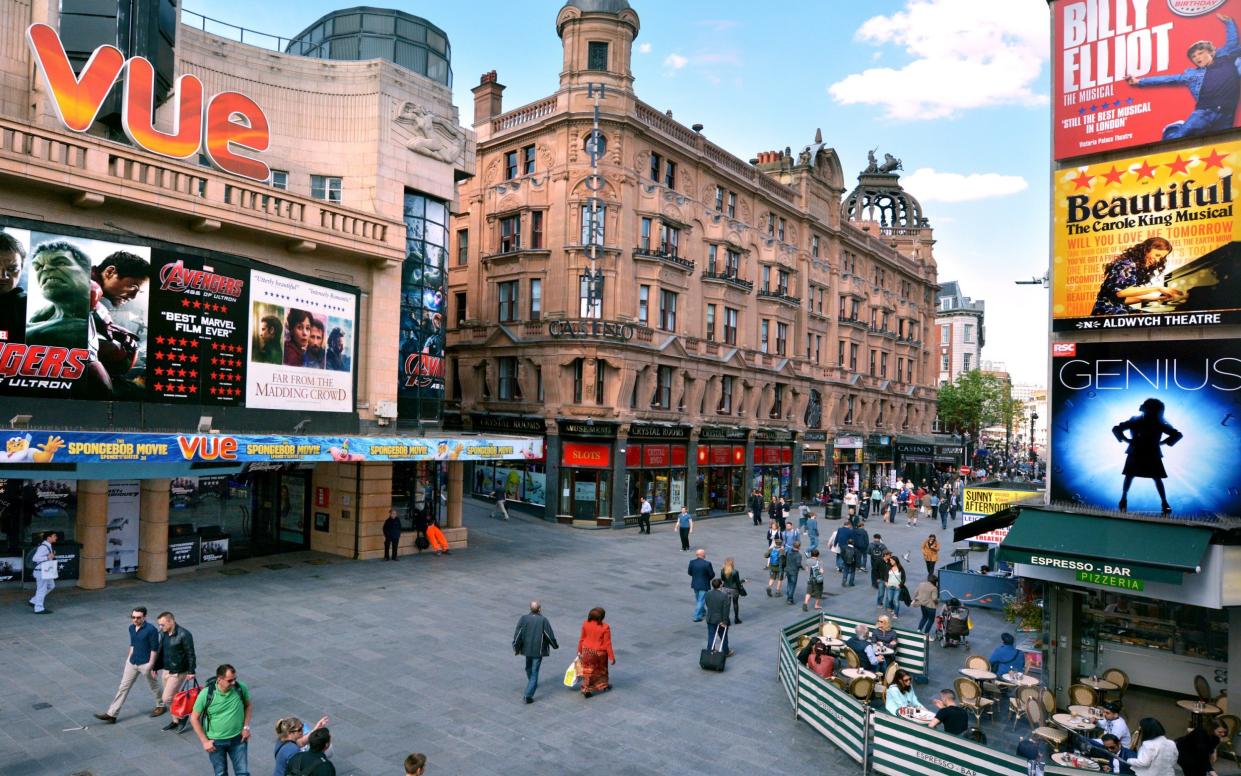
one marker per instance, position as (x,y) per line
(773,463)
(586,480)
(656,470)
(721,486)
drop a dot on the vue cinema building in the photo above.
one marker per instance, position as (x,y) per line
(221,307)
(674,321)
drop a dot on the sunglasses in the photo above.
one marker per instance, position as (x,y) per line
(137,616)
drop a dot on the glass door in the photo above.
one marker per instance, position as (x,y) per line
(280,511)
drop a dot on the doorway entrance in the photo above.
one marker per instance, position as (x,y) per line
(281,503)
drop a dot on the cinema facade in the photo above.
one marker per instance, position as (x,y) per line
(221,291)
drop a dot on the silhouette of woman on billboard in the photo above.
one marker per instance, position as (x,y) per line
(1144,458)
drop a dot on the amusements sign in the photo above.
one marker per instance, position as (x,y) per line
(1133,72)
(1149,241)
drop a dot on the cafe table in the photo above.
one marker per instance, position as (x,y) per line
(1017,680)
(1093,712)
(1097,684)
(1198,710)
(1069,760)
(883,651)
(1073,722)
(857,673)
(978,674)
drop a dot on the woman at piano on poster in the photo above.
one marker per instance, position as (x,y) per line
(1129,279)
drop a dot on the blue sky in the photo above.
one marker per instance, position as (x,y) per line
(955,88)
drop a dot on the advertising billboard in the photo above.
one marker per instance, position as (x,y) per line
(1148,241)
(100,319)
(977,503)
(1137,426)
(424,313)
(1134,72)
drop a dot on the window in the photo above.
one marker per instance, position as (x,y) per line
(819,303)
(880,276)
(840,354)
(509,387)
(536,229)
(782,338)
(855,306)
(596,144)
(900,370)
(764,333)
(644,239)
(508,301)
(818,348)
(945,335)
(844,308)
(777,406)
(667,310)
(527,160)
(732,204)
(710,323)
(657,162)
(596,55)
(853,349)
(280,179)
(965,361)
(644,304)
(943,363)
(577,380)
(766,286)
(590,295)
(719,199)
(536,299)
(814,246)
(883,364)
(874,362)
(663,388)
(780,231)
(771,224)
(725,407)
(600,377)
(730,325)
(849,402)
(463,247)
(967,333)
(782,282)
(593,224)
(538,382)
(712,252)
(669,239)
(510,165)
(809,345)
(325,188)
(462,314)
(733,263)
(670,175)
(510,234)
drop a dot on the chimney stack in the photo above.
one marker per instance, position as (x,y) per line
(488,98)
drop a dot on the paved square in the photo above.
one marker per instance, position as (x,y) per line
(416,656)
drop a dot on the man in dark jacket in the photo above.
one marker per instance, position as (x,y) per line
(392,534)
(533,635)
(756,507)
(701,573)
(862,542)
(177,660)
(876,550)
(717,603)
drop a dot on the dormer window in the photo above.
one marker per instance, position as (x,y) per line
(596,55)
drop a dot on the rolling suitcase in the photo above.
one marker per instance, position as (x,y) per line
(713,659)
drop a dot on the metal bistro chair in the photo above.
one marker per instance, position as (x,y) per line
(1083,695)
(851,658)
(978,662)
(839,682)
(830,630)
(1017,703)
(862,688)
(1048,702)
(1118,678)
(1203,688)
(889,676)
(1053,736)
(969,695)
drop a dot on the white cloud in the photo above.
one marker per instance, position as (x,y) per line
(644,48)
(930,185)
(965,54)
(675,61)
(718,25)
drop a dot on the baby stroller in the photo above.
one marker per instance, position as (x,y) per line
(953,624)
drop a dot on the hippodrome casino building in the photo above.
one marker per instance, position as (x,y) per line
(221,287)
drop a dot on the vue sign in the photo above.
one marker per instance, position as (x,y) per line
(229,121)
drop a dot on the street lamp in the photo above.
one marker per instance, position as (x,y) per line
(1033,456)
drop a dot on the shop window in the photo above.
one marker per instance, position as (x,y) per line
(522,481)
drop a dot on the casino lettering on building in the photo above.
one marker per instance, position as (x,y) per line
(678,323)
(222,286)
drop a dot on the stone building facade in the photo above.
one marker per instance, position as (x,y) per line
(678,323)
(961,331)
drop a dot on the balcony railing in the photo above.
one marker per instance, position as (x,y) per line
(666,258)
(779,296)
(728,278)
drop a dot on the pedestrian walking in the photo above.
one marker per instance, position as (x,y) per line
(876,500)
(892,505)
(862,542)
(392,535)
(849,555)
(531,640)
(892,586)
(776,511)
(177,660)
(139,661)
(685,527)
(851,504)
(814,582)
(716,603)
(291,739)
(945,500)
(501,503)
(701,573)
(221,718)
(775,565)
(46,570)
(415,764)
(734,585)
(644,516)
(756,506)
(803,516)
(930,552)
(790,534)
(877,550)
(594,651)
(926,597)
(774,531)
(435,536)
(314,760)
(811,532)
(793,562)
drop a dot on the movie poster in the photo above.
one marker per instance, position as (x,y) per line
(301,345)
(1148,241)
(72,317)
(122,553)
(1132,72)
(198,330)
(1141,426)
(424,312)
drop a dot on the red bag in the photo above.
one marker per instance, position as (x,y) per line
(183,701)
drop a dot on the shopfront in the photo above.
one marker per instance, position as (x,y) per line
(29,508)
(263,510)
(773,463)
(656,467)
(848,453)
(813,459)
(720,485)
(524,483)
(586,459)
(915,460)
(878,461)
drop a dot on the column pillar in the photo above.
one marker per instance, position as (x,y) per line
(456,478)
(153,531)
(691,473)
(551,480)
(795,484)
(750,465)
(91,532)
(620,491)
(1234,653)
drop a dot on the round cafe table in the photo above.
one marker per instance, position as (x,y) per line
(1075,761)
(855,673)
(1074,723)
(883,651)
(1197,710)
(978,674)
(1025,680)
(1093,712)
(1099,685)
(831,643)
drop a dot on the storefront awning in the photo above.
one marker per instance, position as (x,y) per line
(1115,547)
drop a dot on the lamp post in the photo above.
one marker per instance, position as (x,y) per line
(1033,455)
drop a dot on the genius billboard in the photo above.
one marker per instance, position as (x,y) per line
(1147,241)
(1134,72)
(1139,426)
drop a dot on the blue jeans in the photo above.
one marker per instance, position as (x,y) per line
(230,749)
(847,581)
(1200,122)
(700,604)
(533,664)
(928,619)
(943,518)
(711,629)
(790,584)
(892,599)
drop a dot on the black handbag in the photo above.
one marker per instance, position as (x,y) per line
(713,659)
(906,598)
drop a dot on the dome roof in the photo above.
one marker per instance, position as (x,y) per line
(598,6)
(880,197)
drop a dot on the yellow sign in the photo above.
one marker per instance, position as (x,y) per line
(982,502)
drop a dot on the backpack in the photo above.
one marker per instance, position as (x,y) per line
(305,764)
(849,554)
(28,558)
(816,572)
(773,556)
(209,688)
(877,549)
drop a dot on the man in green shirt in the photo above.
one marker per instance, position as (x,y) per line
(221,718)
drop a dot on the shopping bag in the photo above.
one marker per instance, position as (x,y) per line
(183,701)
(570,674)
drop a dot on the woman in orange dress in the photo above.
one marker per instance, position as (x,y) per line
(594,650)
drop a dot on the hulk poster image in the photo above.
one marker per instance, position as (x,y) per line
(1147,241)
(1128,73)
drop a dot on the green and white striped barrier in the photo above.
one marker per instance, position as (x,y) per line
(838,716)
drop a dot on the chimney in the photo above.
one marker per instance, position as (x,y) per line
(488,98)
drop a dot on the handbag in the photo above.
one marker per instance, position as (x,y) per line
(741,589)
(906,598)
(183,701)
(49,569)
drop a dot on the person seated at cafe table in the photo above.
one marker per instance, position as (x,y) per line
(820,660)
(1006,657)
(1112,723)
(1115,753)
(901,694)
(955,719)
(860,644)
(884,636)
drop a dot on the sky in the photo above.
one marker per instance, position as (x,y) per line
(956,89)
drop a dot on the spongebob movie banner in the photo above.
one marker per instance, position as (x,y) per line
(42,447)
(1148,241)
(1134,72)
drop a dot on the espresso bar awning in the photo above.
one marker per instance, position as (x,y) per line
(1096,544)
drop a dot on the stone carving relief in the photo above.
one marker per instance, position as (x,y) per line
(431,134)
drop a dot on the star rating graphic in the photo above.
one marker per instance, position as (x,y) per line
(1113,175)
(1216,159)
(1082,181)
(1105,105)
(1179,165)
(1145,170)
